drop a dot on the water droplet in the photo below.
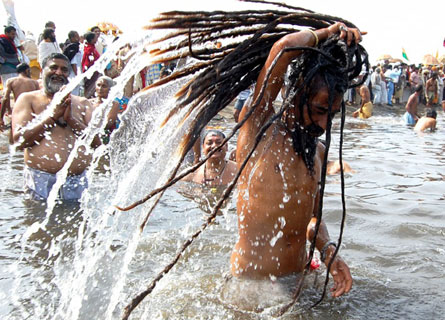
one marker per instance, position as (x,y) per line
(282,222)
(286,198)
(274,240)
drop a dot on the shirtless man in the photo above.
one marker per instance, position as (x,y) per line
(431,89)
(427,122)
(278,190)
(216,170)
(18,85)
(410,117)
(48,143)
(365,111)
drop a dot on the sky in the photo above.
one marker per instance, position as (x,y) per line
(391,25)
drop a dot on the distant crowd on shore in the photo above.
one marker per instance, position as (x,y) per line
(392,83)
(82,50)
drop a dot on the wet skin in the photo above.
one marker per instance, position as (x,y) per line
(278,196)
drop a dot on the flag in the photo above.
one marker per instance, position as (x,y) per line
(437,54)
(404,54)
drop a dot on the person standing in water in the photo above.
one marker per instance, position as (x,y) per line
(410,117)
(47,143)
(288,161)
(216,170)
(427,122)
(18,85)
(103,86)
(365,110)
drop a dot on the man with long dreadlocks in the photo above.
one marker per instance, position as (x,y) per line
(281,163)
(279,189)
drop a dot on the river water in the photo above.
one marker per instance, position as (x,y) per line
(88,261)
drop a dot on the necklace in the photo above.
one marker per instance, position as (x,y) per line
(214,178)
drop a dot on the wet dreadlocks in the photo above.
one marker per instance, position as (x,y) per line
(337,64)
(220,74)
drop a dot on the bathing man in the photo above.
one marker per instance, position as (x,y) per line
(17,85)
(410,117)
(48,144)
(279,188)
(427,122)
(216,170)
(365,110)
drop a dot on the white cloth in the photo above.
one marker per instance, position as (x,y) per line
(46,48)
(30,49)
(76,60)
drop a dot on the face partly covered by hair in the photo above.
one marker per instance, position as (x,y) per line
(317,81)
(319,108)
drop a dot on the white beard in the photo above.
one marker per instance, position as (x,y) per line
(53,87)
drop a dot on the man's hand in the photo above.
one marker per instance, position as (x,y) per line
(61,109)
(342,277)
(348,34)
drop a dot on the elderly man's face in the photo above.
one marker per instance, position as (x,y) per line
(55,75)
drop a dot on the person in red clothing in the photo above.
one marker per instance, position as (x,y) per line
(90,55)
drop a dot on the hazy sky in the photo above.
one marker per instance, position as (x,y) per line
(416,26)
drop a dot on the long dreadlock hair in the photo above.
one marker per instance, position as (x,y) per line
(337,64)
(220,74)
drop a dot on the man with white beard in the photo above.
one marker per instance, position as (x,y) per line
(48,143)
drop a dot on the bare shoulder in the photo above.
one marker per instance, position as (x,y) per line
(36,84)
(26,99)
(10,82)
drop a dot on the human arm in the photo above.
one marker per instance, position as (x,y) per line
(271,77)
(23,114)
(339,269)
(6,104)
(75,115)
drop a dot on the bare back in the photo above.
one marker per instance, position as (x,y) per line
(411,105)
(20,85)
(425,123)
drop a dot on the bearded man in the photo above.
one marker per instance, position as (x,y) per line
(48,140)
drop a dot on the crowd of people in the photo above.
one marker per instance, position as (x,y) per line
(407,85)
(48,141)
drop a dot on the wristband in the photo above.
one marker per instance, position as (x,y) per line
(315,36)
(325,247)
